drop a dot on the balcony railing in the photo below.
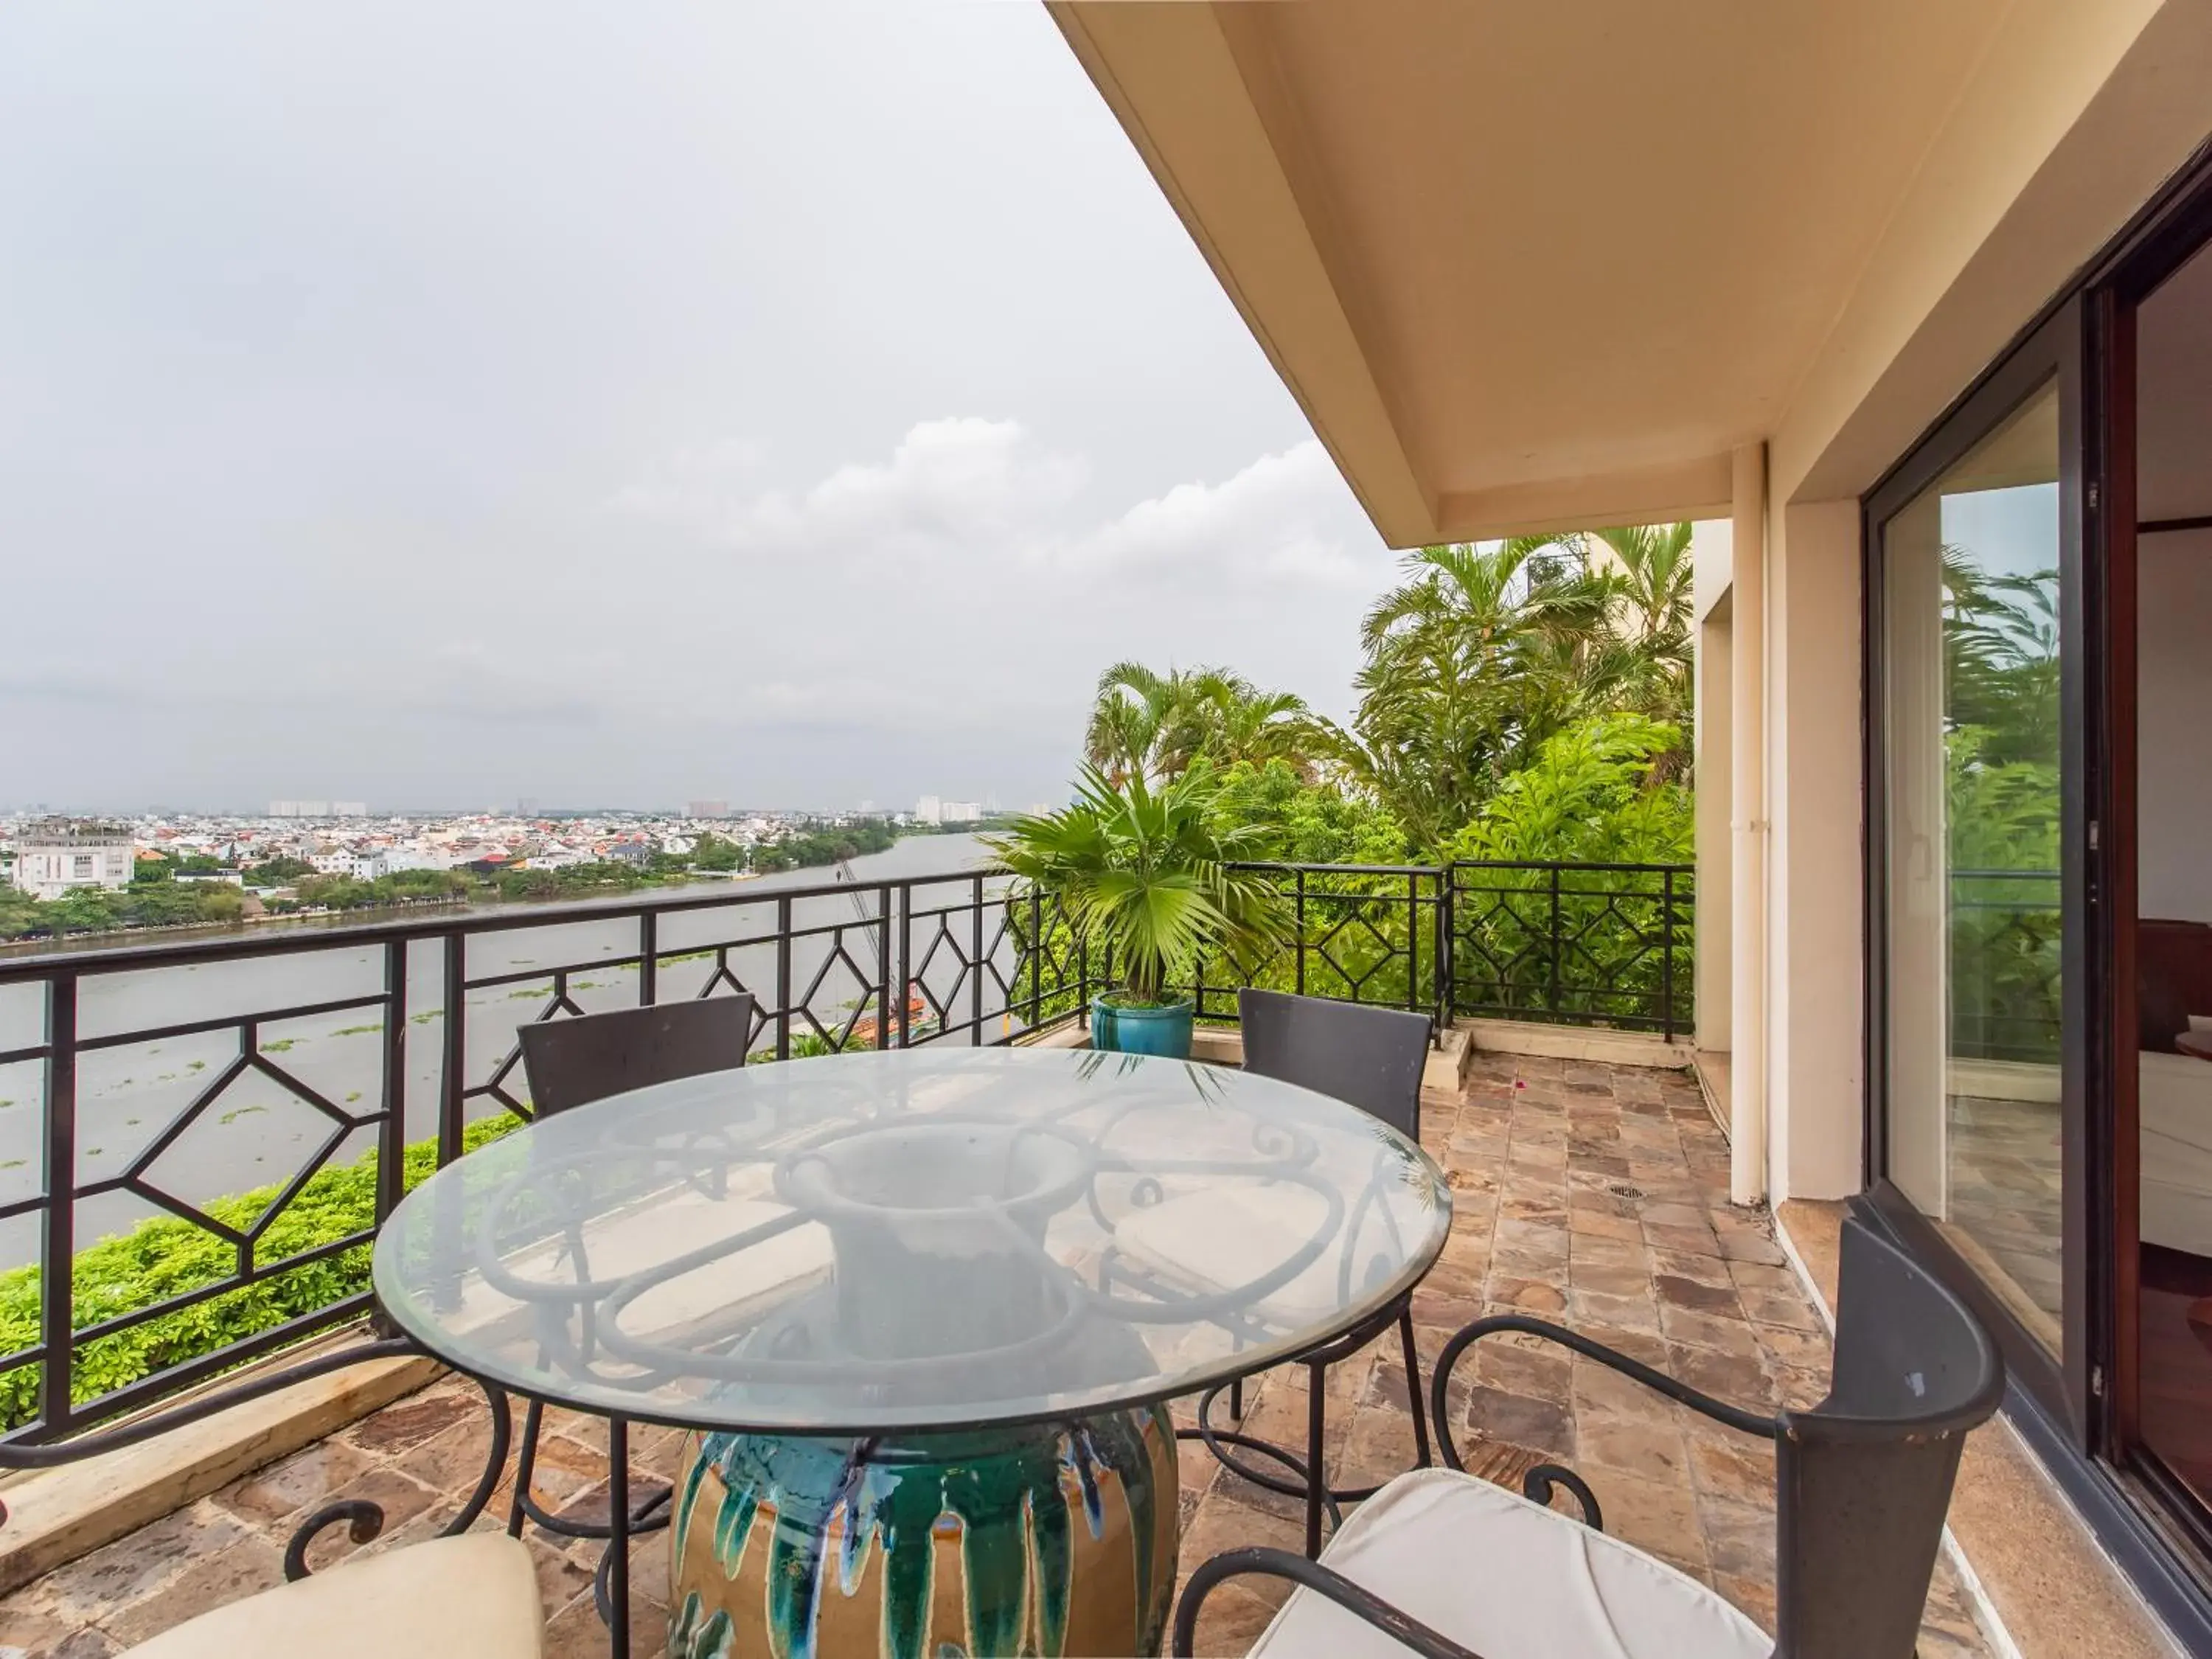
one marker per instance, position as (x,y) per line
(2004,966)
(199,1140)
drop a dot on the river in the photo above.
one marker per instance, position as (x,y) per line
(257,1133)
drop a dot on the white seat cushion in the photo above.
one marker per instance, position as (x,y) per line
(1510,1579)
(1231,1235)
(470,1597)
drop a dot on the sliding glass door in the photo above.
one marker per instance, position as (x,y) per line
(1969,654)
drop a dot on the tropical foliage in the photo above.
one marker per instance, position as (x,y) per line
(2001,808)
(169,1257)
(1154,725)
(1146,877)
(1483,653)
(1531,938)
(1479,657)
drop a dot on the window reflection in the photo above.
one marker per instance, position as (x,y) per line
(1971,655)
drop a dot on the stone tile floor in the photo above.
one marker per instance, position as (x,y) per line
(1596,1194)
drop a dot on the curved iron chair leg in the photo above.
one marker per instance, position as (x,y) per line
(1536,1487)
(525,1467)
(364,1518)
(1312,1484)
(1214,1439)
(524,1505)
(1413,1388)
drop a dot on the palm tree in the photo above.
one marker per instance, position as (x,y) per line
(1154,727)
(1472,662)
(1652,581)
(1147,875)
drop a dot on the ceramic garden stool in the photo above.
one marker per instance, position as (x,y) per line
(1046,1539)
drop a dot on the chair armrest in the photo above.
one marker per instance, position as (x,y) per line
(1308,1575)
(1682,1394)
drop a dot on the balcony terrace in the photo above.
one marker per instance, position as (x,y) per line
(1590,1192)
(1593,1193)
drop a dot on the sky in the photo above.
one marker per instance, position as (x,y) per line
(793,404)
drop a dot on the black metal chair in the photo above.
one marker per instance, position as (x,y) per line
(1452,1567)
(573,1062)
(462,1595)
(1371,1058)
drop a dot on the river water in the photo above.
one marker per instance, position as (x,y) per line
(257,1133)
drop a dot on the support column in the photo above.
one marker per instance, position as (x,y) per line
(1814,936)
(1714,770)
(1747,1159)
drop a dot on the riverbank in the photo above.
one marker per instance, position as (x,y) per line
(934,854)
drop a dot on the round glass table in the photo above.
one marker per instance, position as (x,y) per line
(921,1309)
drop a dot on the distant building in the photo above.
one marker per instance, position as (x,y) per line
(929,810)
(708,809)
(348,809)
(308,809)
(54,856)
(361,865)
(958,811)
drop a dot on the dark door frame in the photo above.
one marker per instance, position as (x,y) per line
(2124,281)
(2077,1410)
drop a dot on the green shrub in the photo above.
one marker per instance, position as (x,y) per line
(169,1256)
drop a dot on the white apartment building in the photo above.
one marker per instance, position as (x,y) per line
(52,857)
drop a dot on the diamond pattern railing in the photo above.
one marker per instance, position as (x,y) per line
(230,1120)
(263,1184)
(1579,943)
(1369,934)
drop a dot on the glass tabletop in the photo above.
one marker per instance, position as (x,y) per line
(922,1239)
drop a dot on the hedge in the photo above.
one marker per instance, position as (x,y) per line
(169,1256)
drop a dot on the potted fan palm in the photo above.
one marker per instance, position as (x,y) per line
(1145,877)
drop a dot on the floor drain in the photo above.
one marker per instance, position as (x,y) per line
(1625,1191)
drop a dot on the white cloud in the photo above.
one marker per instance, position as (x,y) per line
(984,494)
(969,582)
(1281,519)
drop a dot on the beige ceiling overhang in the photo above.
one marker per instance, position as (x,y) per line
(1535,267)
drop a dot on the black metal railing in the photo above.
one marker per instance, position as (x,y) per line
(199,1140)
(2003,964)
(327,1070)
(1377,934)
(1610,945)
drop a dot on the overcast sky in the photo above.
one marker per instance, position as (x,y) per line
(442,405)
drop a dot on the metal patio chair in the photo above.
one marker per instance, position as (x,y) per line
(1452,1567)
(573,1062)
(462,1595)
(1368,1057)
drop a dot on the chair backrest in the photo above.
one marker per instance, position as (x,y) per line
(1370,1058)
(572,1062)
(1864,1478)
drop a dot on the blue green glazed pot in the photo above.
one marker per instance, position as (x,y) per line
(1164,1030)
(1050,1540)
